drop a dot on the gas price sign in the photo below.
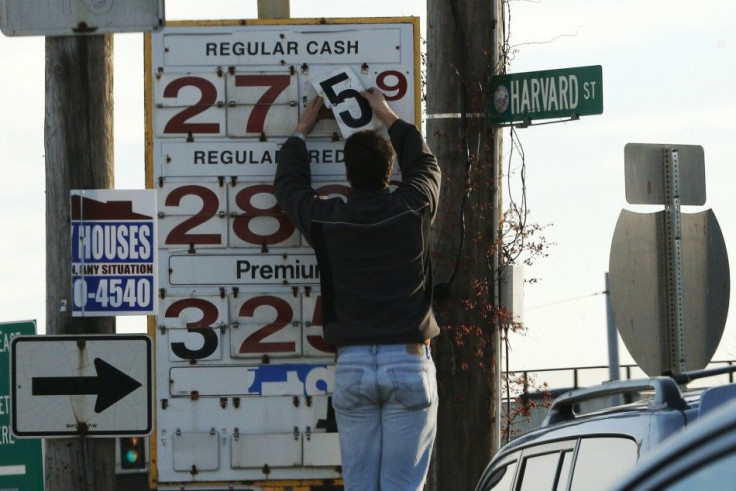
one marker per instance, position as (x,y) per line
(244,376)
(113,252)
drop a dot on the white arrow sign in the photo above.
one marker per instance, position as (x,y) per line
(96,385)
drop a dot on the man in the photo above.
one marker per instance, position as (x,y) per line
(375,276)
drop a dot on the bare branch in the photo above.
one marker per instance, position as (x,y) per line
(549,40)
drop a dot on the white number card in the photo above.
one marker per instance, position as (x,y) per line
(341,90)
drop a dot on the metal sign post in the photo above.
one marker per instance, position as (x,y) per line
(673,247)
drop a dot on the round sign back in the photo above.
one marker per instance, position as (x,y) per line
(638,288)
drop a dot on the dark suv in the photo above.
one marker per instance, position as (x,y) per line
(592,436)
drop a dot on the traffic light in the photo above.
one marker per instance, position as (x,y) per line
(132,452)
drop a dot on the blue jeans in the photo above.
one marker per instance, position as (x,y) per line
(385,401)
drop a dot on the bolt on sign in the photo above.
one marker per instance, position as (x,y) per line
(562,93)
(113,252)
(244,376)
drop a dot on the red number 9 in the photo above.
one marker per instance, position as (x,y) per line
(399,86)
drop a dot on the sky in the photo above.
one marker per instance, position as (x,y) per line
(668,70)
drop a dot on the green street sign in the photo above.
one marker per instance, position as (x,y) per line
(564,93)
(21,460)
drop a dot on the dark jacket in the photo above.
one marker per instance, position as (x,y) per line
(373,251)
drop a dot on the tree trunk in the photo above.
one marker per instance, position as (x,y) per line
(79,155)
(460,62)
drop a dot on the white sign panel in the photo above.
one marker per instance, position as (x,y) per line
(289,44)
(113,252)
(244,375)
(261,380)
(257,269)
(92,385)
(70,17)
(254,161)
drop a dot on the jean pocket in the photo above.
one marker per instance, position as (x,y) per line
(414,386)
(347,394)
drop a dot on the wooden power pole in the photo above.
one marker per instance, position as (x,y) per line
(79,155)
(462,55)
(274,9)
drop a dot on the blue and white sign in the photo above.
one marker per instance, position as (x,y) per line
(113,252)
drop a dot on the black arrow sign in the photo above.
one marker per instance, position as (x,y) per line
(110,385)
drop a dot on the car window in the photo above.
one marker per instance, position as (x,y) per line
(540,472)
(601,461)
(598,463)
(564,471)
(546,471)
(545,466)
(710,475)
(501,479)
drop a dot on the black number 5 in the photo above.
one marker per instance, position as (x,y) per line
(336,99)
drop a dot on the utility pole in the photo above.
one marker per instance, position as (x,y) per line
(273,9)
(462,55)
(79,155)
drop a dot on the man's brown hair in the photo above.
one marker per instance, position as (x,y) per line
(369,160)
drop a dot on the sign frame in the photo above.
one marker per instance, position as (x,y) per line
(239,165)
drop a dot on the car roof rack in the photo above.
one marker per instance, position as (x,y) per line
(666,392)
(666,395)
(687,377)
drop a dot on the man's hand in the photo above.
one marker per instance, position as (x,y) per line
(310,116)
(378,103)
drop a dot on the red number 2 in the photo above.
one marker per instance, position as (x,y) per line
(181,233)
(254,343)
(208,97)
